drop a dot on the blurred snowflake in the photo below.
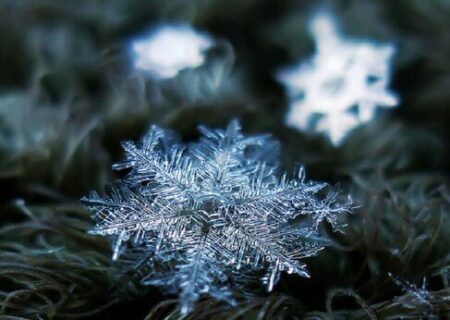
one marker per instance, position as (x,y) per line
(169,49)
(212,216)
(341,86)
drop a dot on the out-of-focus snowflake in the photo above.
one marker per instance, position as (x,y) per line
(421,294)
(169,49)
(214,215)
(341,86)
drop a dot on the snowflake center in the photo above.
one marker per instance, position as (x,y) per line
(333,86)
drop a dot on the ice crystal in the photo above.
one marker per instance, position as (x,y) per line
(341,86)
(213,215)
(421,294)
(169,49)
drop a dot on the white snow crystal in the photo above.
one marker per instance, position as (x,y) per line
(341,86)
(169,49)
(212,216)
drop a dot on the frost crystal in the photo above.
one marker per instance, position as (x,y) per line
(341,86)
(213,215)
(169,49)
(421,294)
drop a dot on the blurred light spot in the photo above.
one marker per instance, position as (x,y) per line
(169,49)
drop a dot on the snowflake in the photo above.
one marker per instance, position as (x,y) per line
(213,215)
(421,294)
(170,49)
(341,86)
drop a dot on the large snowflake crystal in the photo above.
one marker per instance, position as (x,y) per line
(212,216)
(341,86)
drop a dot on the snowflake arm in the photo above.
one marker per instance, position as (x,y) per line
(276,197)
(221,155)
(160,157)
(200,274)
(125,215)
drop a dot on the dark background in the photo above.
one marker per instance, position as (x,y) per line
(68,96)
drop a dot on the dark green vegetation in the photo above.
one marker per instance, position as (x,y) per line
(68,97)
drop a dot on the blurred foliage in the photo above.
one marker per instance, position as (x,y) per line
(50,266)
(68,96)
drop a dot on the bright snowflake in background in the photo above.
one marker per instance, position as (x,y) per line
(341,86)
(213,216)
(170,49)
